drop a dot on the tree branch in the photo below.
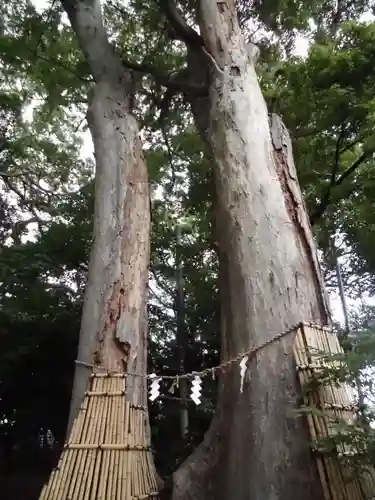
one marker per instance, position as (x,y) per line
(160,284)
(60,64)
(32,205)
(351,169)
(21,225)
(173,82)
(161,302)
(337,156)
(326,200)
(176,82)
(181,29)
(352,143)
(58,287)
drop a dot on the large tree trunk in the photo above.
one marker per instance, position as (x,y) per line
(114,324)
(256,448)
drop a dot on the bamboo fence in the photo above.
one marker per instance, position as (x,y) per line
(333,402)
(107,456)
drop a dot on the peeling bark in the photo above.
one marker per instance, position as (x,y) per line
(114,324)
(121,239)
(256,448)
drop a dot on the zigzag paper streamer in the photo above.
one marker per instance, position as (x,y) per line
(196,390)
(243,368)
(155,387)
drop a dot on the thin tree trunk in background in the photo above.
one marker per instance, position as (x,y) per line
(114,323)
(361,397)
(181,339)
(341,292)
(256,448)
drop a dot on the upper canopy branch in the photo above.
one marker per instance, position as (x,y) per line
(177,81)
(181,29)
(326,198)
(334,182)
(86,20)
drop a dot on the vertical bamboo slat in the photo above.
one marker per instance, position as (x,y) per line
(311,344)
(302,363)
(106,456)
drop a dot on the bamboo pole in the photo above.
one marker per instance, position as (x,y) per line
(129,458)
(117,438)
(82,483)
(325,393)
(110,440)
(144,454)
(124,471)
(323,420)
(106,456)
(61,484)
(114,468)
(77,476)
(138,456)
(333,401)
(305,376)
(103,476)
(121,454)
(95,467)
(92,455)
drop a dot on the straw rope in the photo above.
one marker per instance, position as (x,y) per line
(207,371)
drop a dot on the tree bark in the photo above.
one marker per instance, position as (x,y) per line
(256,448)
(114,324)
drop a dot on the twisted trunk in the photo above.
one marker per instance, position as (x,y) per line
(256,448)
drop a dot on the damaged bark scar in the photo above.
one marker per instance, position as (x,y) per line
(235,71)
(291,203)
(221,7)
(124,347)
(293,200)
(283,173)
(118,305)
(114,308)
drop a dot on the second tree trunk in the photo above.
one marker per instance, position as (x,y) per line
(256,448)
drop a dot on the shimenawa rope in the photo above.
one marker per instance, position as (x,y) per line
(207,371)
